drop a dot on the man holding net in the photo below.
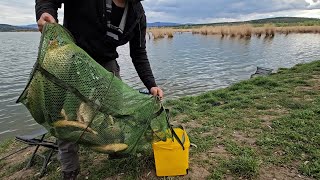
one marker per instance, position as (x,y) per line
(99,27)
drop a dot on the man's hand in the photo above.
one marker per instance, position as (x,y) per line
(156,91)
(45,18)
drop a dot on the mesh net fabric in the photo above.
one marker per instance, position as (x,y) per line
(77,100)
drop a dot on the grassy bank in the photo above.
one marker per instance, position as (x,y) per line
(262,128)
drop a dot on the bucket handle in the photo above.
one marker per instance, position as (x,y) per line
(174,134)
(180,141)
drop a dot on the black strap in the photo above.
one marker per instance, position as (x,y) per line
(120,29)
(177,137)
(174,134)
(154,116)
(158,113)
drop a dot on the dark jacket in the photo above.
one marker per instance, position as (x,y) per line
(84,19)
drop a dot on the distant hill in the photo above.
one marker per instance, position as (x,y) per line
(34,27)
(155,24)
(10,28)
(162,24)
(31,26)
(279,21)
(283,20)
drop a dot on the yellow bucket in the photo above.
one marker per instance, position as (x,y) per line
(170,158)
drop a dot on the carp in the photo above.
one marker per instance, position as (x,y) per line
(110,148)
(66,123)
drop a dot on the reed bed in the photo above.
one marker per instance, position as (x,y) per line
(206,30)
(241,31)
(158,33)
(245,31)
(298,29)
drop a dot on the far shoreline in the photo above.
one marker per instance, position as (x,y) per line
(20,31)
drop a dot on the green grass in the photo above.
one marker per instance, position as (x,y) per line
(5,145)
(245,166)
(263,122)
(293,136)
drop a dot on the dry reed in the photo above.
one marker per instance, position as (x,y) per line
(245,31)
(158,33)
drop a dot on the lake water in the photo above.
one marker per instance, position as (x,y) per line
(185,65)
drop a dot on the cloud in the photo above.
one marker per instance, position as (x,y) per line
(245,17)
(313,3)
(229,10)
(186,11)
(16,12)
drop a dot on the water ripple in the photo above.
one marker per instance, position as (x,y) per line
(8,131)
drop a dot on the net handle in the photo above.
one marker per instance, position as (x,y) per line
(156,115)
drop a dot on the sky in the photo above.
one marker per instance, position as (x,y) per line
(21,12)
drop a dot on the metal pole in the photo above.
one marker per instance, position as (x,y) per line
(14,153)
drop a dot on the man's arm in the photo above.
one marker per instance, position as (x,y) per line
(46,11)
(140,60)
